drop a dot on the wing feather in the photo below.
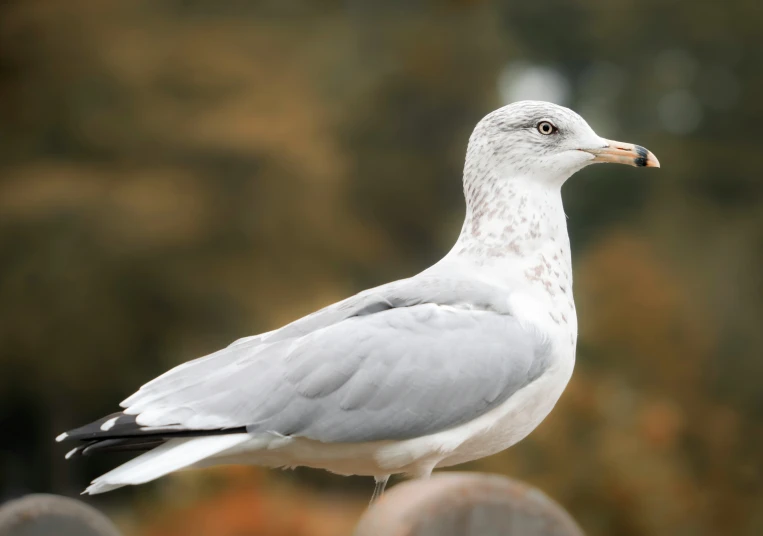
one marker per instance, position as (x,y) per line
(407,359)
(395,374)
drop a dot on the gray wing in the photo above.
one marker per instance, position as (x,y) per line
(404,293)
(400,374)
(380,372)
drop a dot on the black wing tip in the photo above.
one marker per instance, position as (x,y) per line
(119,432)
(130,444)
(113,425)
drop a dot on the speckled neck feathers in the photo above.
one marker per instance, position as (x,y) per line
(508,215)
(515,229)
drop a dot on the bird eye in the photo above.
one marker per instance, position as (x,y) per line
(546,128)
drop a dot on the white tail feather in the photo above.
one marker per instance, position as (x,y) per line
(173,455)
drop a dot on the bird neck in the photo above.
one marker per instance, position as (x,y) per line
(515,233)
(509,218)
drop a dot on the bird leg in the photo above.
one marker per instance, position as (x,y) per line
(381,483)
(424,470)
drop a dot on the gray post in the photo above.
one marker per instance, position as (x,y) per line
(52,515)
(466,504)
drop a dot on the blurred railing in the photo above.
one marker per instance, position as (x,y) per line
(466,504)
(448,504)
(49,515)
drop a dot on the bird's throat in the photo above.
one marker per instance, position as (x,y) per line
(516,235)
(513,218)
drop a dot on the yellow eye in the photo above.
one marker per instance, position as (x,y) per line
(546,128)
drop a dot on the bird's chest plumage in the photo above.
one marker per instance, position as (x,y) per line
(543,302)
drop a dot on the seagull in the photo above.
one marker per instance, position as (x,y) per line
(456,363)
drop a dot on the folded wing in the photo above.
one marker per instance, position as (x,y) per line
(389,363)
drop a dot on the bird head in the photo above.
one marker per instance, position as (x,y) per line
(544,142)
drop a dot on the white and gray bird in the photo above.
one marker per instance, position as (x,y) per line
(456,363)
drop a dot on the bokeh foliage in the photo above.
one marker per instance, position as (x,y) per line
(176,174)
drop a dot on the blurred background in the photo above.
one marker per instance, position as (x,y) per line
(175,174)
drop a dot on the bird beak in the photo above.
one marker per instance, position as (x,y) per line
(624,153)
